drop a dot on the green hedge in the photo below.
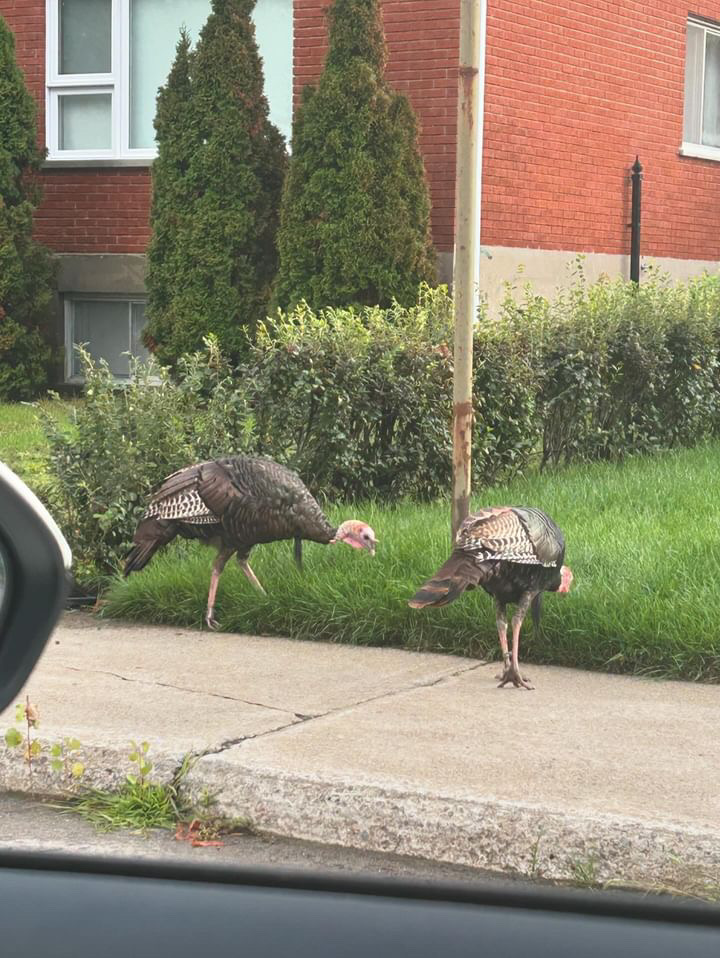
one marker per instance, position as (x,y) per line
(360,402)
(624,369)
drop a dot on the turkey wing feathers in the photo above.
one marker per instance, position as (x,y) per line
(519,535)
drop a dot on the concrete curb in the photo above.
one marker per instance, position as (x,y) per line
(529,840)
(534,841)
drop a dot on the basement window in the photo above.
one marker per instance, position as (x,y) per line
(109,328)
(106,59)
(701,131)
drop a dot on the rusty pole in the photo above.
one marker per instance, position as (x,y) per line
(466,256)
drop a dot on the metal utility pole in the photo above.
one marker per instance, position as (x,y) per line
(466,255)
(636,177)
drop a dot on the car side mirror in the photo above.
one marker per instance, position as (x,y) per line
(34,578)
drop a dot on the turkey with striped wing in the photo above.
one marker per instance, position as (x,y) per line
(516,554)
(235,504)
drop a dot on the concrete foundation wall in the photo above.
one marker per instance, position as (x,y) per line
(549,270)
(107,273)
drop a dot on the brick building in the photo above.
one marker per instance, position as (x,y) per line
(573,91)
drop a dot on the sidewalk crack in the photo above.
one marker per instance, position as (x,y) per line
(182,688)
(301,719)
(297,718)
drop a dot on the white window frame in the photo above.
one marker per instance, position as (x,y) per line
(117,83)
(688,148)
(69,318)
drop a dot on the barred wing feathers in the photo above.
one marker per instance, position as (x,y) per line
(178,499)
(525,536)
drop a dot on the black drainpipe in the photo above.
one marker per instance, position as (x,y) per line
(637,175)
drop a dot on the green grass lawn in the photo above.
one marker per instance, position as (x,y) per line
(23,446)
(643,541)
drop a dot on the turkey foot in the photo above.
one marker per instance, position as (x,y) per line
(512,674)
(210,621)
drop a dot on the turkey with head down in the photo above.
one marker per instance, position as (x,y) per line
(235,504)
(516,554)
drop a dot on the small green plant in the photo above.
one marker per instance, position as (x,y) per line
(138,804)
(585,872)
(535,870)
(27,713)
(65,761)
(63,755)
(141,762)
(137,807)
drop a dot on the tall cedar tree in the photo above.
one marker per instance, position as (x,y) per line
(216,191)
(26,268)
(355,215)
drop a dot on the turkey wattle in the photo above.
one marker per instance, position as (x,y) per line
(235,504)
(516,554)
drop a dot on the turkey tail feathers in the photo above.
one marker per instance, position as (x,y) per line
(150,535)
(139,557)
(448,583)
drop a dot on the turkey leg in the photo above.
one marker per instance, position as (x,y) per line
(501,620)
(218,566)
(512,669)
(252,578)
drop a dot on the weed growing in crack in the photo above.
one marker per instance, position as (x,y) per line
(585,872)
(140,805)
(64,758)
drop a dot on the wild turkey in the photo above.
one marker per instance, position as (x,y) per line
(235,504)
(516,554)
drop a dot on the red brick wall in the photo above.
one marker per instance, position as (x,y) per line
(574,90)
(95,210)
(83,210)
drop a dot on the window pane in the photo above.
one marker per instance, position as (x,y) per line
(154,33)
(138,321)
(274,31)
(693,83)
(85,36)
(85,121)
(711,98)
(104,326)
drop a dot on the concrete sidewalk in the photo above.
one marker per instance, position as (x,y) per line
(380,749)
